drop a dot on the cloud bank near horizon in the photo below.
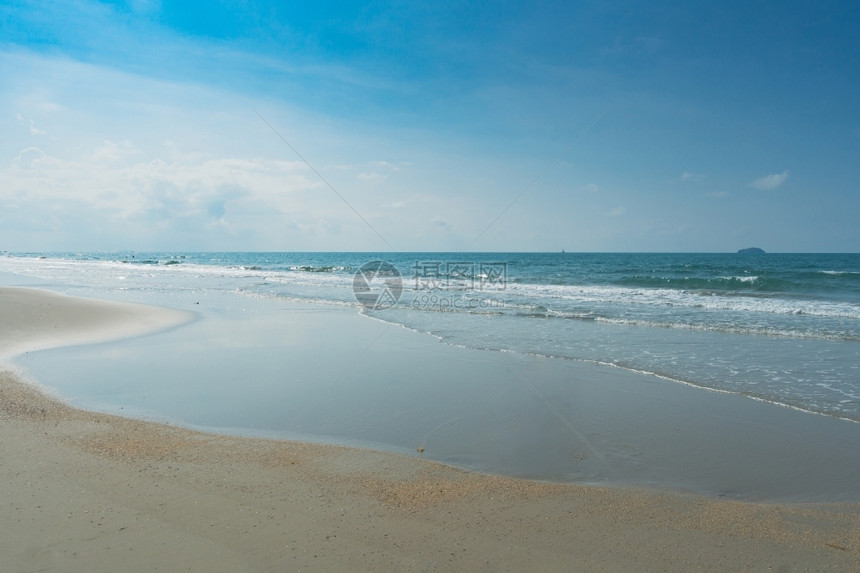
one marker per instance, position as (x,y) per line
(135,126)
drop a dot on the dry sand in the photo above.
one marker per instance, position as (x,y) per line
(94,492)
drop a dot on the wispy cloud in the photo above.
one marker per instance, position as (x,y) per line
(769,182)
(617,212)
(442,224)
(373,176)
(111,151)
(688,177)
(48,106)
(35,130)
(385,164)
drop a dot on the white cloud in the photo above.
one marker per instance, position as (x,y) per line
(769,182)
(34,130)
(372,176)
(591,188)
(618,211)
(132,161)
(110,151)
(106,183)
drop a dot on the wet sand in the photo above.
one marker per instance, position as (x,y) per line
(34,319)
(88,491)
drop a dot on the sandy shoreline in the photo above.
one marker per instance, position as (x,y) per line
(88,491)
(34,319)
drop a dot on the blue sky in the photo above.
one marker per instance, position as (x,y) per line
(509,126)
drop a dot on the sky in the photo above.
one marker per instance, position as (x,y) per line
(449,126)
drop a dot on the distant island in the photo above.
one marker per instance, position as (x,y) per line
(751,250)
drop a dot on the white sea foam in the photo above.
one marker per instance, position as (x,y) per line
(744,279)
(587,295)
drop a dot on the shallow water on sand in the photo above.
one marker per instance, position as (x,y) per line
(263,366)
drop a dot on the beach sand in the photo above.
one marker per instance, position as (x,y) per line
(34,319)
(86,491)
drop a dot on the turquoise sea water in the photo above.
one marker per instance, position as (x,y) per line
(783,328)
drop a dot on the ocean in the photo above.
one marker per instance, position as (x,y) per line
(780,328)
